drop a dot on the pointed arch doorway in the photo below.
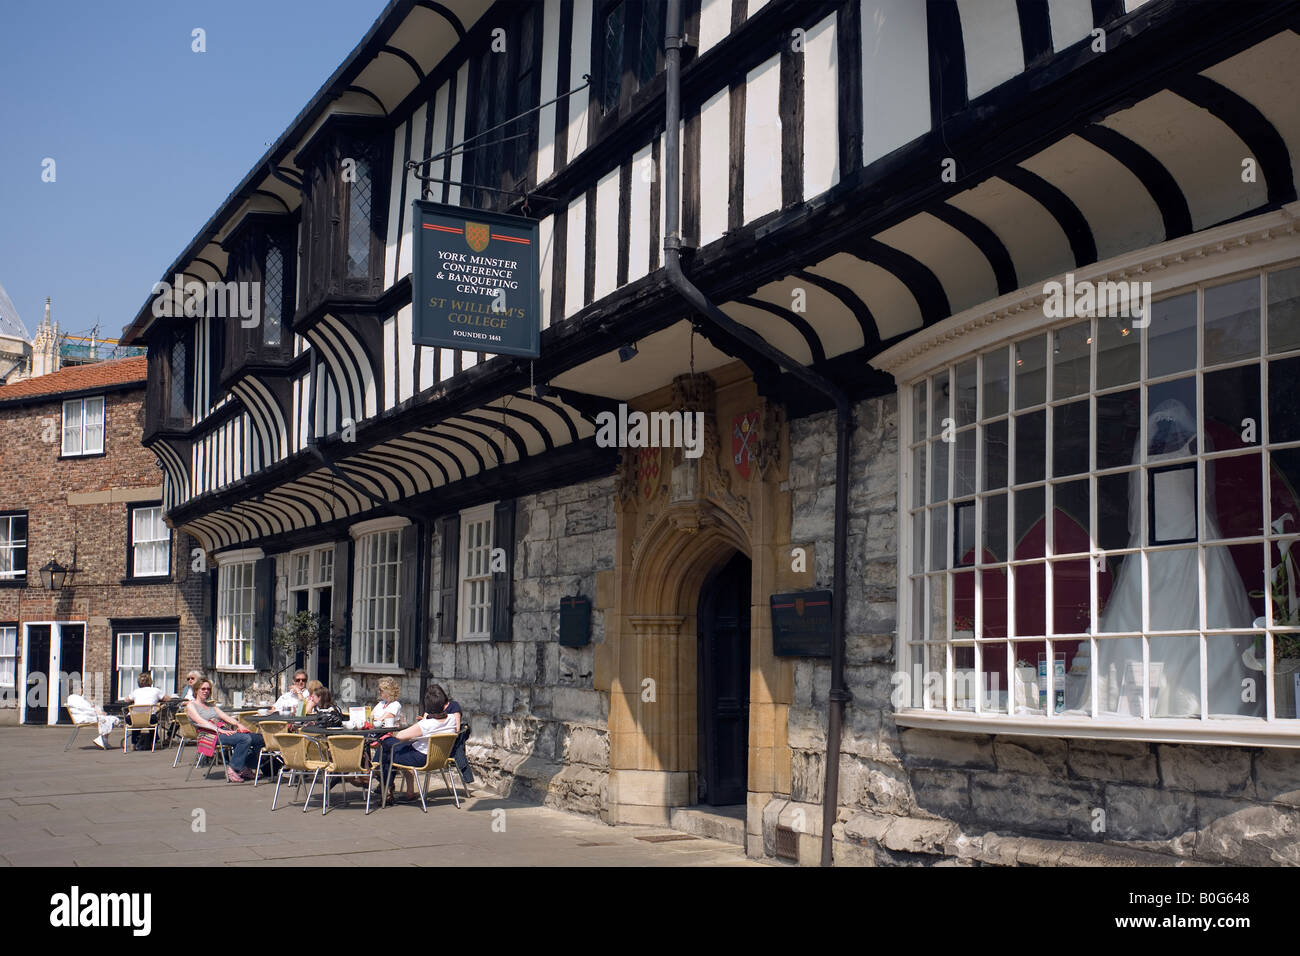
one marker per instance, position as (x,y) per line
(722,660)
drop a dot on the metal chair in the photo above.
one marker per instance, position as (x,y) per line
(346,758)
(437,758)
(270,746)
(218,753)
(143,719)
(293,753)
(185,727)
(77,726)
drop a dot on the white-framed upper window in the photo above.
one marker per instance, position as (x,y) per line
(474,616)
(83,426)
(236,604)
(150,542)
(8,658)
(377,598)
(1103,520)
(13,546)
(311,568)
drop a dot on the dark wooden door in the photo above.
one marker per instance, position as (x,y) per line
(299,605)
(325,598)
(72,653)
(38,665)
(723,673)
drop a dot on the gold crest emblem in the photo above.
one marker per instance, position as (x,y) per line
(477,235)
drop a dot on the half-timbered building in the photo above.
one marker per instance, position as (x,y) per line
(1055,531)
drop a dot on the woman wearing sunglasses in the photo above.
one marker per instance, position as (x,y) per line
(208,717)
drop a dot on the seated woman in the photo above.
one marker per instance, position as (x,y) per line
(145,695)
(83,712)
(409,747)
(325,713)
(246,743)
(389,706)
(190,678)
(292,699)
(312,687)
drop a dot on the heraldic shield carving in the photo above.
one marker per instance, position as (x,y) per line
(744,442)
(477,235)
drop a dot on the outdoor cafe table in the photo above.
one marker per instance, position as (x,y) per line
(371,733)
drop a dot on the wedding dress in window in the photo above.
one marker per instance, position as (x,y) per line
(1174,589)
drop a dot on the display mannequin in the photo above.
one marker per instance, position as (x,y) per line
(1173,587)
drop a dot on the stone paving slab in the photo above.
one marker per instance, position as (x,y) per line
(89,807)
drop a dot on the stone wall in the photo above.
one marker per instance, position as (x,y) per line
(539,726)
(910,796)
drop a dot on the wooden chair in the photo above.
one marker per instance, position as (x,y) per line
(78,726)
(437,758)
(294,754)
(143,719)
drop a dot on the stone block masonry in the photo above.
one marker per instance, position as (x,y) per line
(539,725)
(919,797)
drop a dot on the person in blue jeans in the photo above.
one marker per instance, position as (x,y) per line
(246,743)
(409,747)
(458,751)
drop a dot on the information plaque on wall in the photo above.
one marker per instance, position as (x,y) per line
(801,624)
(474,280)
(575,621)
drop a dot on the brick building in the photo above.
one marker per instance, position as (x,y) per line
(77,487)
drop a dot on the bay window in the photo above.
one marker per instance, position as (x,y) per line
(1103,517)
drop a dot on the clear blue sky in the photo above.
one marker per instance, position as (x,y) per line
(148,136)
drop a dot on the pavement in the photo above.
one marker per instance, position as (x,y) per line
(89,807)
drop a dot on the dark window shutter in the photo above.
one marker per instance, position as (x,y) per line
(408,638)
(263,612)
(209,650)
(341,600)
(112,668)
(503,536)
(449,536)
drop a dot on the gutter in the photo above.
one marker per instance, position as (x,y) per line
(839,695)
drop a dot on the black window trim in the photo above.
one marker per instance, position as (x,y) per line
(131,578)
(145,625)
(19,582)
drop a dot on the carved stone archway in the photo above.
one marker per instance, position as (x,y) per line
(679,521)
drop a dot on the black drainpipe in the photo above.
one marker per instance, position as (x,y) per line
(839,695)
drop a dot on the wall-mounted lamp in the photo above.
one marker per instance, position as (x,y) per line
(626,352)
(53,575)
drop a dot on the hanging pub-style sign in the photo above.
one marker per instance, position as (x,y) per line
(474,282)
(801,624)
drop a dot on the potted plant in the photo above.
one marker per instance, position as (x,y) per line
(963,628)
(298,635)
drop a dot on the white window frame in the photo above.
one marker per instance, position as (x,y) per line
(129,677)
(137,542)
(474,617)
(1174,268)
(236,610)
(8,660)
(79,431)
(10,545)
(376,613)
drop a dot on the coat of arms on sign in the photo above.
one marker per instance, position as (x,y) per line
(477,235)
(647,471)
(744,441)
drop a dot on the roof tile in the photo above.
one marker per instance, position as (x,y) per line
(79,378)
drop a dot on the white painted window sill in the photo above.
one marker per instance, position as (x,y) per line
(1223,733)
